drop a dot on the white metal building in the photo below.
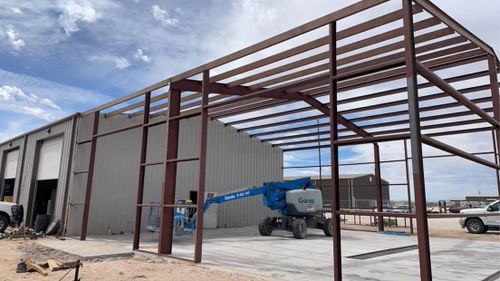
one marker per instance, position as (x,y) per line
(44,170)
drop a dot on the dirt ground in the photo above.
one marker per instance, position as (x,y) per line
(138,267)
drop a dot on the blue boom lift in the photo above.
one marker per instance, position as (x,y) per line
(299,204)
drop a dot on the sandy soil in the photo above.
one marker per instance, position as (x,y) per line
(139,267)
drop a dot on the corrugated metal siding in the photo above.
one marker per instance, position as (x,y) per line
(234,161)
(64,130)
(12,145)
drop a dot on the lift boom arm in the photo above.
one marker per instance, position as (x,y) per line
(273,195)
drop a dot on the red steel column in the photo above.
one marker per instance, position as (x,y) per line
(495,153)
(416,145)
(334,155)
(168,193)
(408,185)
(90,176)
(142,171)
(202,168)
(378,186)
(319,160)
(495,99)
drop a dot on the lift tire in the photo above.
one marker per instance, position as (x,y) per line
(328,227)
(266,226)
(299,228)
(4,222)
(475,226)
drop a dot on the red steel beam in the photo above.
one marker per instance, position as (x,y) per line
(378,186)
(334,155)
(351,140)
(292,33)
(437,64)
(362,98)
(290,89)
(377,106)
(219,88)
(202,168)
(495,154)
(433,126)
(435,11)
(142,172)
(447,88)
(408,193)
(168,191)
(376,52)
(90,176)
(371,117)
(365,26)
(495,99)
(424,252)
(326,110)
(450,149)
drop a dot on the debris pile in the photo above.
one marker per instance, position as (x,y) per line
(21,232)
(27,265)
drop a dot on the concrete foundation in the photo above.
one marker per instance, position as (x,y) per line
(279,256)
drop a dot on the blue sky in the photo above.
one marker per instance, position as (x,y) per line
(59,57)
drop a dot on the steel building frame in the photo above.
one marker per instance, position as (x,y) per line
(299,77)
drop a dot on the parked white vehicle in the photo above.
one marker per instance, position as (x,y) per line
(6,216)
(481,224)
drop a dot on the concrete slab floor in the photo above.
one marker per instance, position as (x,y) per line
(90,249)
(243,250)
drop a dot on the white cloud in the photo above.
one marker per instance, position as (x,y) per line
(38,112)
(16,10)
(75,11)
(140,55)
(16,100)
(12,36)
(70,98)
(49,103)
(118,62)
(180,11)
(121,63)
(163,16)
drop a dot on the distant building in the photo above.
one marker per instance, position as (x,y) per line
(473,201)
(357,191)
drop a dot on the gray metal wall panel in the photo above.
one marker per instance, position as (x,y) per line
(234,161)
(64,130)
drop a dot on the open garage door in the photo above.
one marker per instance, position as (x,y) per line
(9,176)
(49,163)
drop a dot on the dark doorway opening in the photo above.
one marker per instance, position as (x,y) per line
(193,196)
(45,198)
(8,190)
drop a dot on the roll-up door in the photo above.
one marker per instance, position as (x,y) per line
(49,159)
(11,164)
